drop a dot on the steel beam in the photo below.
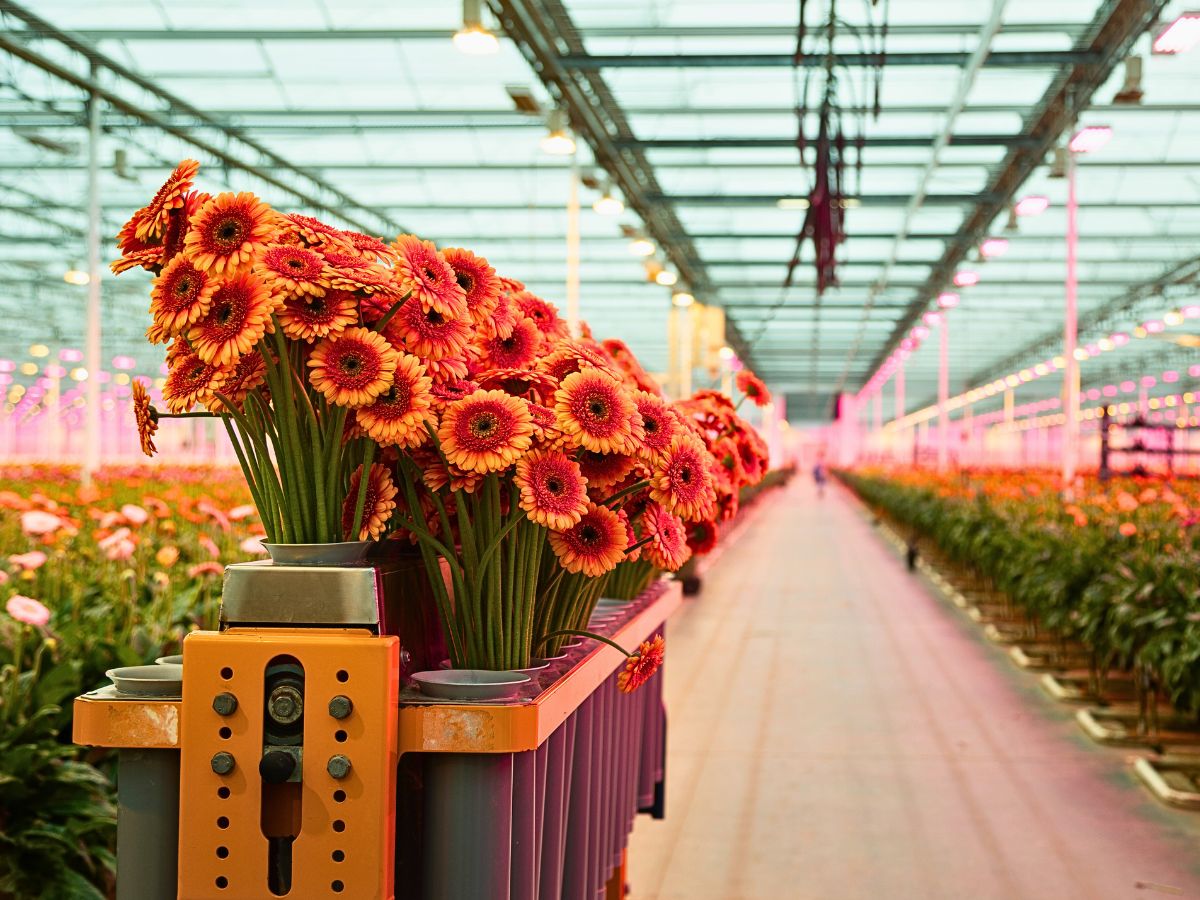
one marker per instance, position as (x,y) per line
(998,60)
(761,143)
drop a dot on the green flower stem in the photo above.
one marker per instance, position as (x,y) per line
(622,494)
(588,634)
(387,316)
(361,499)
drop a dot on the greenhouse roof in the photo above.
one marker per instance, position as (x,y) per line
(365,113)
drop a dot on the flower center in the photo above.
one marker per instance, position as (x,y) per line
(651,425)
(483,425)
(351,365)
(465,281)
(230,232)
(685,475)
(554,484)
(294,263)
(430,275)
(597,408)
(224,314)
(183,286)
(589,534)
(435,318)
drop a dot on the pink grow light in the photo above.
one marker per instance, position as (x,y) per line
(1120,339)
(1194,371)
(966,278)
(1180,36)
(932,318)
(993,247)
(1032,206)
(1090,139)
(1128,387)
(1154,326)
(947,300)
(1149,381)
(71,356)
(920,332)
(1170,377)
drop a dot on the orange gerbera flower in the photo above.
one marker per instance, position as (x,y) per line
(500,324)
(424,273)
(237,318)
(603,470)
(542,313)
(354,368)
(371,248)
(485,431)
(289,269)
(553,490)
(593,545)
(378,504)
(228,230)
(681,480)
(177,224)
(306,317)
(569,357)
(445,392)
(642,665)
(517,351)
(147,419)
(156,214)
(427,333)
(659,425)
(238,380)
(311,232)
(478,281)
(452,368)
(752,386)
(182,294)
(190,380)
(594,408)
(702,536)
(149,259)
(668,547)
(398,415)
(525,383)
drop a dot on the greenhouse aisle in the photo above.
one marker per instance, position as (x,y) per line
(837,731)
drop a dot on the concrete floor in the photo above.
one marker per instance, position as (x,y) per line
(838,732)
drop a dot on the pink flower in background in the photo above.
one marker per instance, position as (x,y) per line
(37,522)
(206,568)
(3,577)
(134,514)
(118,545)
(1127,529)
(1126,502)
(241,512)
(27,610)
(217,515)
(253,544)
(209,546)
(34,559)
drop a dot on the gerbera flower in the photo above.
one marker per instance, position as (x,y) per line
(177,224)
(427,333)
(424,273)
(360,275)
(369,247)
(542,313)
(354,368)
(569,357)
(378,504)
(603,470)
(182,294)
(311,232)
(478,280)
(553,490)
(702,536)
(190,380)
(149,259)
(452,368)
(500,324)
(156,214)
(519,383)
(593,545)
(289,269)
(445,392)
(659,426)
(642,665)
(485,431)
(127,238)
(228,230)
(398,415)
(248,373)
(305,317)
(517,351)
(510,285)
(681,480)
(147,420)
(753,388)
(237,318)
(667,548)
(594,408)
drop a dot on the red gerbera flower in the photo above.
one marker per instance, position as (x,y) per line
(237,381)
(519,383)
(369,247)
(424,273)
(377,507)
(668,547)
(658,424)
(569,357)
(228,230)
(182,294)
(478,280)
(353,368)
(681,480)
(553,490)
(145,417)
(289,269)
(702,536)
(177,224)
(305,317)
(398,415)
(642,665)
(190,380)
(312,232)
(238,316)
(427,333)
(543,314)
(149,259)
(156,214)
(603,470)
(593,408)
(518,351)
(593,545)
(452,368)
(752,386)
(500,324)
(485,431)
(446,392)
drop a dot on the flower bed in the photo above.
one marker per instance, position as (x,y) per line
(1117,569)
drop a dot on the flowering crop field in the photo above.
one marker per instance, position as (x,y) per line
(1116,568)
(91,578)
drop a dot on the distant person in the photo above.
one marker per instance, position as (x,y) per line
(820,476)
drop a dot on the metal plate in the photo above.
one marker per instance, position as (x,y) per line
(259,593)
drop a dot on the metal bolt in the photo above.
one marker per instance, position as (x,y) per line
(286,704)
(341,706)
(223,763)
(225,704)
(339,766)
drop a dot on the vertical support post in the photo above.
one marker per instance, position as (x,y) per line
(969,432)
(685,350)
(573,248)
(1009,416)
(91,351)
(53,413)
(148,824)
(943,394)
(1070,336)
(898,384)
(877,424)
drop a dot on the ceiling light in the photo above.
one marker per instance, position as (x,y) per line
(792,203)
(70,355)
(947,300)
(993,247)
(1180,36)
(966,278)
(523,99)
(473,38)
(76,276)
(38,350)
(29,368)
(608,205)
(1173,318)
(642,246)
(666,278)
(79,373)
(682,298)
(1090,138)
(124,362)
(1032,206)
(726,353)
(557,142)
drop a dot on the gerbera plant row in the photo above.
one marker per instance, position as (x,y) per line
(396,391)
